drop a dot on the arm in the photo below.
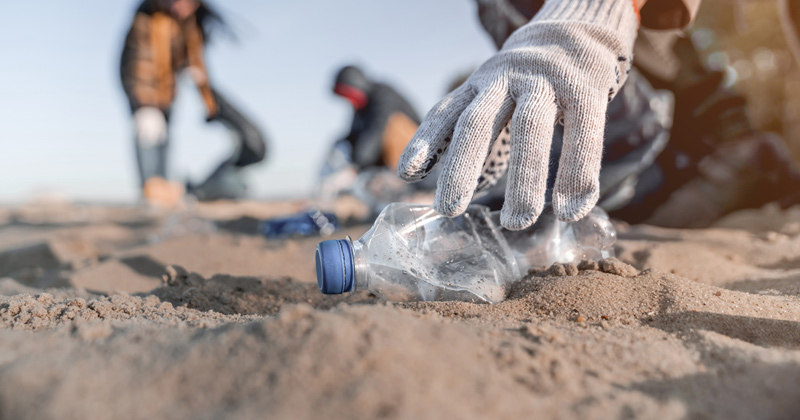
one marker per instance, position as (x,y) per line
(195,47)
(500,18)
(368,140)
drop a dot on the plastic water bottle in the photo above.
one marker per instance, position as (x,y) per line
(413,253)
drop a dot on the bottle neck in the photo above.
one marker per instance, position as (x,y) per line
(360,266)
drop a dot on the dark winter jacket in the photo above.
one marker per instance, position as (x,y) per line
(383,124)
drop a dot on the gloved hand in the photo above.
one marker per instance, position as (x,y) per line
(151,127)
(565,65)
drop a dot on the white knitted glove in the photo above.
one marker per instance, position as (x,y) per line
(151,126)
(565,65)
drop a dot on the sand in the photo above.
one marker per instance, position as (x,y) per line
(115,312)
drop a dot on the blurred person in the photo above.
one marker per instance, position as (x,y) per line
(166,38)
(383,124)
(360,166)
(716,161)
(383,120)
(537,112)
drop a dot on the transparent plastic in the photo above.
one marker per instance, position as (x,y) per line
(413,253)
(551,241)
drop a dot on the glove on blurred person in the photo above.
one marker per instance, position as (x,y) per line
(151,126)
(565,65)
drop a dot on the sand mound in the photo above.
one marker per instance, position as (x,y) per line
(245,295)
(563,347)
(44,311)
(687,324)
(367,362)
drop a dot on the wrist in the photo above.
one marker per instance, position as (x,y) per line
(619,15)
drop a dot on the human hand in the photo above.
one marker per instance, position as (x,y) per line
(563,66)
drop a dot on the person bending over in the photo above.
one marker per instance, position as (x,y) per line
(166,38)
(383,124)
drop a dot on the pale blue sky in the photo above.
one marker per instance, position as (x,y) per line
(64,123)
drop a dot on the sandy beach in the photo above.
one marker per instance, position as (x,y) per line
(118,312)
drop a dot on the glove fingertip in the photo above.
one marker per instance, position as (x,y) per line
(572,209)
(450,207)
(516,220)
(411,163)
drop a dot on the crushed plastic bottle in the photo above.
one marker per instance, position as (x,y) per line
(413,253)
(551,241)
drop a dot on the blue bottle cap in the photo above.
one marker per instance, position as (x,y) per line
(334,266)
